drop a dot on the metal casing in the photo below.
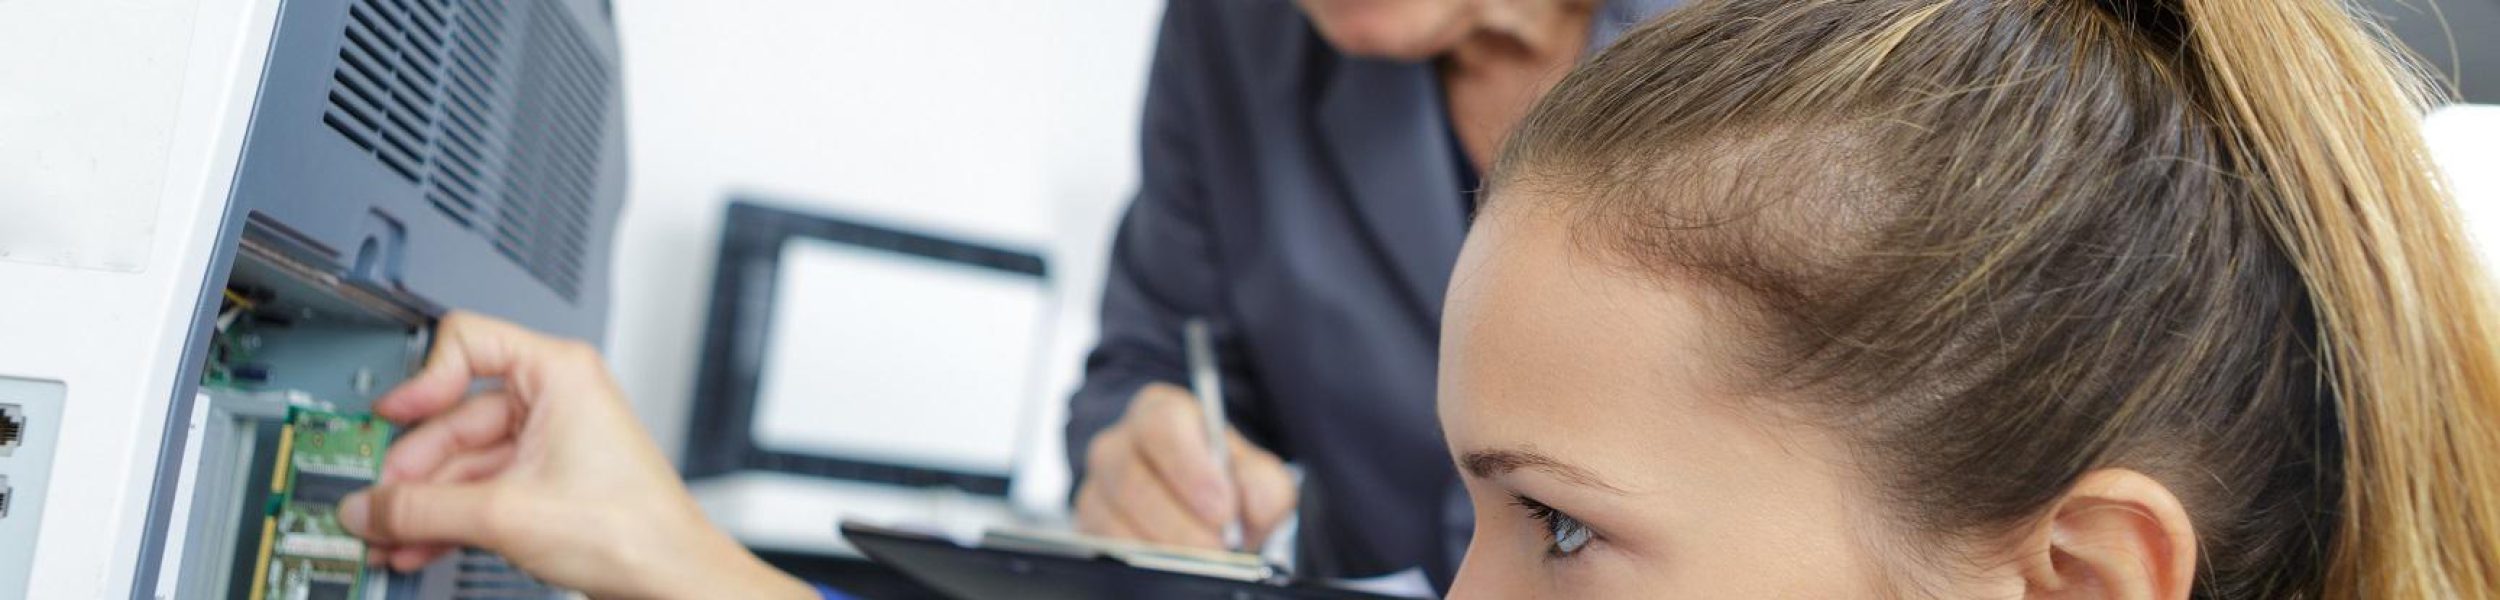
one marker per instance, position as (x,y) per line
(468,153)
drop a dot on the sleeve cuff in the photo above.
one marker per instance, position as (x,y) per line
(828,593)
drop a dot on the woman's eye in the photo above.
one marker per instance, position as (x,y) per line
(1564,535)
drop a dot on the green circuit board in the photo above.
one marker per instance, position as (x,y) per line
(304,553)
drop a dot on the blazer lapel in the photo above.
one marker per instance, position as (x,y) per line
(1618,16)
(1385,130)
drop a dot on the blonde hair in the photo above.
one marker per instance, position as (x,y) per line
(2013,241)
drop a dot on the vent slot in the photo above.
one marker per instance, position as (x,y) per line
(468,168)
(483,576)
(496,111)
(563,95)
(383,91)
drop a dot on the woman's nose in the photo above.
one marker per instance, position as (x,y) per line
(1478,577)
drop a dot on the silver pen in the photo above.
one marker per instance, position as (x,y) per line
(1208,384)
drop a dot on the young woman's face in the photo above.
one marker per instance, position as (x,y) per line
(1586,406)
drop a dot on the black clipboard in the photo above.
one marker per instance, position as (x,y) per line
(988,572)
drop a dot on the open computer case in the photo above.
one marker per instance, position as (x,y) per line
(215,214)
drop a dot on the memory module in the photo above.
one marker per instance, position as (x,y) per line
(304,553)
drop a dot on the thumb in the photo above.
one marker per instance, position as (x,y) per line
(1267,489)
(424,513)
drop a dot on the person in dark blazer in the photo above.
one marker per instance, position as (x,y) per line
(1308,170)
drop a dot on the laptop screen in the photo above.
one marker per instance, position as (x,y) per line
(898,359)
(860,351)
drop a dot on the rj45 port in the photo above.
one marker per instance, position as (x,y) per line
(12,428)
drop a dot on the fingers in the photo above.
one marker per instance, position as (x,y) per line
(1171,435)
(1268,491)
(486,420)
(466,466)
(1151,478)
(1125,498)
(477,465)
(411,558)
(1153,511)
(467,347)
(420,513)
(406,558)
(1093,512)
(1094,515)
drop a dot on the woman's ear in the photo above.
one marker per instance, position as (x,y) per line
(2116,534)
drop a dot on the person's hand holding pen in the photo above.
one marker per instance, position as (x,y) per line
(1155,477)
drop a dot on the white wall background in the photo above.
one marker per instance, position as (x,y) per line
(2466,142)
(1006,120)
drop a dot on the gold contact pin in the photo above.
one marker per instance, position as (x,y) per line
(286,452)
(260,568)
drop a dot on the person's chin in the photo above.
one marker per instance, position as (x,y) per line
(1394,31)
(1397,45)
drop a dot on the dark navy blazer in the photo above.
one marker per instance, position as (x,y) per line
(1306,202)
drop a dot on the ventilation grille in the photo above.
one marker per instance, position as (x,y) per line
(382,94)
(563,100)
(472,125)
(495,108)
(483,576)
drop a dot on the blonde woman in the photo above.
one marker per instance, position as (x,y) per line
(1830,299)
(1976,299)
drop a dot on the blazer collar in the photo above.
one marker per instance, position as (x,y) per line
(1385,126)
(1387,135)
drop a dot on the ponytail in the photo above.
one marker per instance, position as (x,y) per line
(2015,241)
(2313,103)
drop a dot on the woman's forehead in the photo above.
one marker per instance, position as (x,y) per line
(1541,342)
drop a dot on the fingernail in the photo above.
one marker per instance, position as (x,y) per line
(352,513)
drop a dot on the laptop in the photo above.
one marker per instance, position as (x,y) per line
(862,371)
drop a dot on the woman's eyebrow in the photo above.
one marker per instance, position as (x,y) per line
(1487,464)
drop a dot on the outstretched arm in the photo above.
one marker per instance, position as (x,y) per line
(549,469)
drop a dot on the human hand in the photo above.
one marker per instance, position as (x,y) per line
(1149,477)
(550,469)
